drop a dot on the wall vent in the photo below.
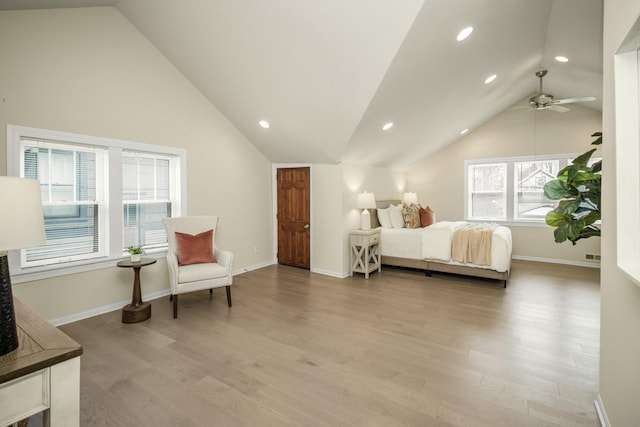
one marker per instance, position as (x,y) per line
(592,257)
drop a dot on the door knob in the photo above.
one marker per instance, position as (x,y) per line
(306,226)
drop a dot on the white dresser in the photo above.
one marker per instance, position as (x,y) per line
(41,375)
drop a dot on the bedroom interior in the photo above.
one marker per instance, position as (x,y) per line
(143,72)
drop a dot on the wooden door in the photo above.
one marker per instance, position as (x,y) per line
(294,215)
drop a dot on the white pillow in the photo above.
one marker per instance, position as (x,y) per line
(383,218)
(395,215)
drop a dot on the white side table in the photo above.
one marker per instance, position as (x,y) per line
(365,251)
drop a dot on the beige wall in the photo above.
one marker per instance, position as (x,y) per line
(620,316)
(327,256)
(385,183)
(335,188)
(439,179)
(89,71)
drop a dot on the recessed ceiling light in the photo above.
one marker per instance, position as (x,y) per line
(490,79)
(560,58)
(463,131)
(387,126)
(464,33)
(264,124)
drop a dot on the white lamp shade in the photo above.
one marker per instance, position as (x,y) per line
(410,198)
(366,201)
(21,215)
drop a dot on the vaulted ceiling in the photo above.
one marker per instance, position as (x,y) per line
(327,75)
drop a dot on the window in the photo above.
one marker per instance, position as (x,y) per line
(99,196)
(72,185)
(529,180)
(511,189)
(488,191)
(146,198)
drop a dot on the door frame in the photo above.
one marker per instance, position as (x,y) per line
(274,205)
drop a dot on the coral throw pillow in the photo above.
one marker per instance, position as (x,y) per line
(427,217)
(196,249)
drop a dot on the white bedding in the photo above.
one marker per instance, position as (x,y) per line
(434,243)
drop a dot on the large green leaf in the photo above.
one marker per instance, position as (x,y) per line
(592,217)
(554,219)
(583,159)
(563,175)
(556,190)
(567,207)
(560,234)
(582,178)
(588,232)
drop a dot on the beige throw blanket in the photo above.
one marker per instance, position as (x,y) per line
(472,244)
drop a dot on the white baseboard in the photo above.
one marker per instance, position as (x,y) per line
(330,273)
(146,297)
(252,267)
(602,414)
(557,261)
(105,309)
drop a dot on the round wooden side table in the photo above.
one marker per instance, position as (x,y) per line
(138,310)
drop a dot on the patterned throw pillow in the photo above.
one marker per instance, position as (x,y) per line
(411,215)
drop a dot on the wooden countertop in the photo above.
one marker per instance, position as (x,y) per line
(40,345)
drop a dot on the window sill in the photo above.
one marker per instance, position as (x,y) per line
(511,223)
(40,273)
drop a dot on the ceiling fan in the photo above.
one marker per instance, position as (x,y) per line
(545,101)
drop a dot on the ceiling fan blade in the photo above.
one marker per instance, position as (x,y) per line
(558,109)
(572,100)
(518,107)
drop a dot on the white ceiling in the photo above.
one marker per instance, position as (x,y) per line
(328,74)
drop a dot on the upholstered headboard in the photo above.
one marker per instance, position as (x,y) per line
(380,204)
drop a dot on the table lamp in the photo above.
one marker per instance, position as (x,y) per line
(21,226)
(366,201)
(410,198)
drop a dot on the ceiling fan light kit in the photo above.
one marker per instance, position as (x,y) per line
(545,101)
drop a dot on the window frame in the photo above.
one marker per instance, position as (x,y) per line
(511,191)
(114,200)
(100,201)
(139,202)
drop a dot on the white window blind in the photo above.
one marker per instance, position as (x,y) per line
(72,183)
(487,196)
(148,195)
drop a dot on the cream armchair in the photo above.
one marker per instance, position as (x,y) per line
(196,277)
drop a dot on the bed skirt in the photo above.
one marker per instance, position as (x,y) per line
(446,268)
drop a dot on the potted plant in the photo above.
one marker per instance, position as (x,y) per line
(579,189)
(136,253)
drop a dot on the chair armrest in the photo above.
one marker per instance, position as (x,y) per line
(172,265)
(225,258)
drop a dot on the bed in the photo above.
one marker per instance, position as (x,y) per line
(430,248)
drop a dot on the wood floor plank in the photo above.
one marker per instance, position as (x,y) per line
(398,349)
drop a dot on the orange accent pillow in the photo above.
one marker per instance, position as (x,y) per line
(427,217)
(196,249)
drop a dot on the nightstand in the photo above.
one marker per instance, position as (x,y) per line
(365,251)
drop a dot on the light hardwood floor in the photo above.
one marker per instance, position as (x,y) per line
(299,348)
